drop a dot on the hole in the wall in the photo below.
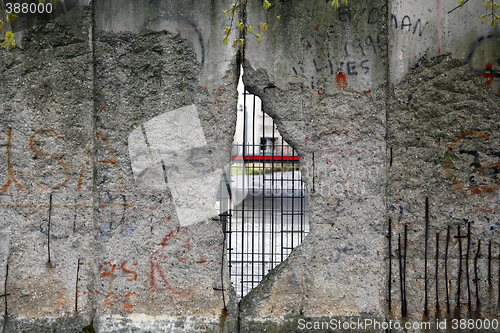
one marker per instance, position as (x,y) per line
(268,216)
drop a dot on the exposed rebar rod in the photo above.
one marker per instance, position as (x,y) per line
(404,270)
(469,305)
(401,277)
(446,271)
(459,266)
(426,310)
(48,231)
(476,279)
(437,267)
(390,262)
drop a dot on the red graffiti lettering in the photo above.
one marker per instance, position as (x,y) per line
(109,273)
(129,271)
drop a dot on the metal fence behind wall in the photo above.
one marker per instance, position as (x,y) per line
(273,219)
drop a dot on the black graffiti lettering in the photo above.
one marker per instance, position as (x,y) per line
(345,49)
(331,66)
(393,18)
(403,25)
(366,68)
(374,19)
(344,13)
(339,68)
(420,31)
(351,66)
(331,30)
(316,66)
(357,43)
(369,42)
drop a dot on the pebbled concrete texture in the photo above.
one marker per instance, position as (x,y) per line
(145,83)
(332,111)
(444,143)
(116,125)
(46,125)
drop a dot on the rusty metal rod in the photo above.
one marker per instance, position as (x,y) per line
(426,310)
(476,279)
(437,267)
(76,287)
(489,263)
(48,231)
(446,271)
(459,267)
(390,261)
(5,289)
(401,277)
(404,270)
(469,305)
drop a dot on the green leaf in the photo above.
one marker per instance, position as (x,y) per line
(9,41)
(266,5)
(241,26)
(487,4)
(263,26)
(224,40)
(11,18)
(259,37)
(224,12)
(242,42)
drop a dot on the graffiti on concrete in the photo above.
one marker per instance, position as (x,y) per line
(176,251)
(471,164)
(485,60)
(51,180)
(107,275)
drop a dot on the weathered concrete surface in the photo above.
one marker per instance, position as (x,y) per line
(443,133)
(46,127)
(327,97)
(158,222)
(83,108)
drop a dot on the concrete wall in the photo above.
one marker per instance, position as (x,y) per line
(116,124)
